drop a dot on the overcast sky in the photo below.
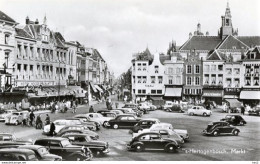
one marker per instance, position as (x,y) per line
(120,28)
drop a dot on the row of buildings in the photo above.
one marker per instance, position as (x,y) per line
(37,62)
(215,68)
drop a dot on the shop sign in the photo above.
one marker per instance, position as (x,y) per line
(149,85)
(232,90)
(212,87)
(211,94)
(251,89)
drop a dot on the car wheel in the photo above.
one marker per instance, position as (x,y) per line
(170,149)
(115,126)
(78,158)
(139,147)
(191,114)
(215,133)
(235,132)
(16,123)
(205,114)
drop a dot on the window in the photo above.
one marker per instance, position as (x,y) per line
(256,69)
(229,71)
(139,67)
(139,79)
(7,37)
(256,81)
(188,69)
(197,81)
(160,79)
(237,71)
(197,70)
(237,83)
(153,91)
(144,91)
(139,91)
(156,69)
(152,79)
(170,79)
(144,79)
(248,81)
(248,69)
(178,80)
(188,81)
(213,79)
(220,67)
(19,67)
(170,70)
(220,79)
(144,66)
(206,68)
(19,49)
(133,79)
(228,80)
(159,91)
(206,79)
(213,68)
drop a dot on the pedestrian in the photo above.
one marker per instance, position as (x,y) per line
(47,120)
(91,109)
(38,122)
(32,116)
(116,104)
(52,129)
(74,108)
(242,110)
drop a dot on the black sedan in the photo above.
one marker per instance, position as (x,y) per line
(122,121)
(152,140)
(97,147)
(255,111)
(220,127)
(145,123)
(234,120)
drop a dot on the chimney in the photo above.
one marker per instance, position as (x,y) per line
(27,20)
(207,33)
(36,21)
(190,35)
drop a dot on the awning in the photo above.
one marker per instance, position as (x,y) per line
(93,87)
(234,103)
(230,97)
(173,92)
(98,88)
(253,95)
(157,98)
(212,93)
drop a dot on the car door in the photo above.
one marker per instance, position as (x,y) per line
(131,121)
(145,139)
(164,133)
(227,128)
(122,121)
(156,141)
(55,148)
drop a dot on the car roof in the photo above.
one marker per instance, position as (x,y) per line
(125,115)
(144,133)
(51,139)
(34,147)
(149,119)
(77,134)
(15,150)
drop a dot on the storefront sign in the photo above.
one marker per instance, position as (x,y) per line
(251,89)
(149,85)
(232,91)
(210,94)
(212,87)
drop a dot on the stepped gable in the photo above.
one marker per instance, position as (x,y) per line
(201,43)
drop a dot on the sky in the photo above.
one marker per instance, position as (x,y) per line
(120,28)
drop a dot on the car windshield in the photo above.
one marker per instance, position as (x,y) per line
(31,156)
(43,151)
(65,143)
(88,139)
(228,116)
(16,114)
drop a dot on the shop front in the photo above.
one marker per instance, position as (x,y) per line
(213,94)
(173,94)
(250,96)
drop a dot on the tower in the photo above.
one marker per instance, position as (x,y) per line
(226,24)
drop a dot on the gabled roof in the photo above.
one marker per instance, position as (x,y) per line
(59,39)
(164,57)
(255,50)
(5,17)
(201,43)
(216,55)
(22,33)
(230,42)
(250,41)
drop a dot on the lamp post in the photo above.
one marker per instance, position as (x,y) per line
(59,80)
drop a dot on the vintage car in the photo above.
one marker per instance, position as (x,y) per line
(220,127)
(168,104)
(14,154)
(199,110)
(152,140)
(254,111)
(59,124)
(117,112)
(144,107)
(166,126)
(6,113)
(134,107)
(109,114)
(234,120)
(62,147)
(74,129)
(122,121)
(97,117)
(145,123)
(131,111)
(88,125)
(16,118)
(97,147)
(86,119)
(41,153)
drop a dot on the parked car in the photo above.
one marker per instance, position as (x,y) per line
(41,153)
(220,127)
(59,124)
(199,110)
(144,107)
(168,104)
(88,125)
(131,111)
(122,121)
(117,112)
(145,123)
(11,137)
(234,120)
(86,119)
(152,140)
(6,113)
(109,114)
(97,147)
(74,129)
(62,147)
(255,111)
(166,126)
(14,154)
(97,117)
(16,118)
(134,107)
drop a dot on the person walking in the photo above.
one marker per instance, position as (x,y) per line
(38,122)
(91,109)
(32,116)
(52,129)
(47,119)
(242,110)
